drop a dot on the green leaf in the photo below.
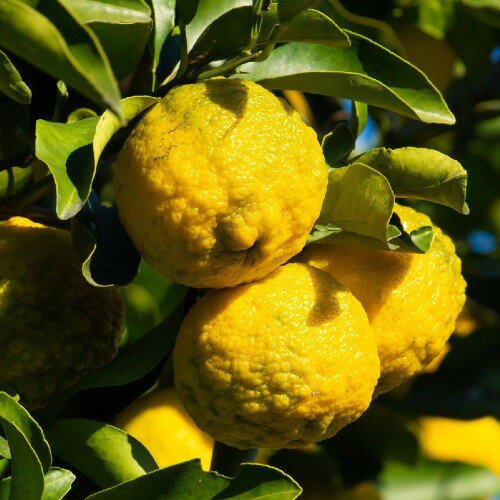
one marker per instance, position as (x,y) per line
(138,359)
(359,200)
(430,480)
(122,26)
(109,124)
(12,183)
(320,232)
(365,71)
(72,150)
(209,11)
(421,173)
(13,412)
(57,483)
(187,9)
(288,9)
(13,116)
(231,32)
(337,145)
(105,454)
(11,83)
(164,20)
(51,39)
(187,480)
(26,482)
(66,148)
(359,117)
(80,114)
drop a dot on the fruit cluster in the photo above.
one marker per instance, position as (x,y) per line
(219,186)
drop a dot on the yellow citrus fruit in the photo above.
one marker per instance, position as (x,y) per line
(220,183)
(162,425)
(474,442)
(279,363)
(412,300)
(54,326)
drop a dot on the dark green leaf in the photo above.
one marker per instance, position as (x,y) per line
(337,145)
(13,116)
(13,412)
(109,257)
(122,26)
(187,480)
(26,482)
(431,480)
(359,200)
(11,83)
(57,483)
(365,72)
(288,9)
(421,173)
(135,361)
(231,32)
(51,39)
(187,9)
(72,150)
(209,11)
(164,19)
(66,148)
(4,465)
(105,454)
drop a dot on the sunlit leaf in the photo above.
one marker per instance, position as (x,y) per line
(421,173)
(103,453)
(11,83)
(364,71)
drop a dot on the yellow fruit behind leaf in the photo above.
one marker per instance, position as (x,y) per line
(163,426)
(412,300)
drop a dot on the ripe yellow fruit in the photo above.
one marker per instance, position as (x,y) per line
(54,326)
(162,425)
(412,300)
(279,363)
(219,183)
(474,442)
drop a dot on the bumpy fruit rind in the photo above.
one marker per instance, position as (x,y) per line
(219,183)
(54,326)
(280,363)
(412,300)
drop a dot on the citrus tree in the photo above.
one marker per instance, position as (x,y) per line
(229,170)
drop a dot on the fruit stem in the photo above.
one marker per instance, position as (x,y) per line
(226,460)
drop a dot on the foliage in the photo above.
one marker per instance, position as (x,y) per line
(74,79)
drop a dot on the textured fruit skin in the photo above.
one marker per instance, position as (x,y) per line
(474,442)
(162,425)
(54,326)
(279,363)
(412,300)
(219,183)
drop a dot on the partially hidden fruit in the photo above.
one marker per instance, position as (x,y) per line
(474,442)
(279,363)
(54,326)
(412,300)
(219,183)
(162,425)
